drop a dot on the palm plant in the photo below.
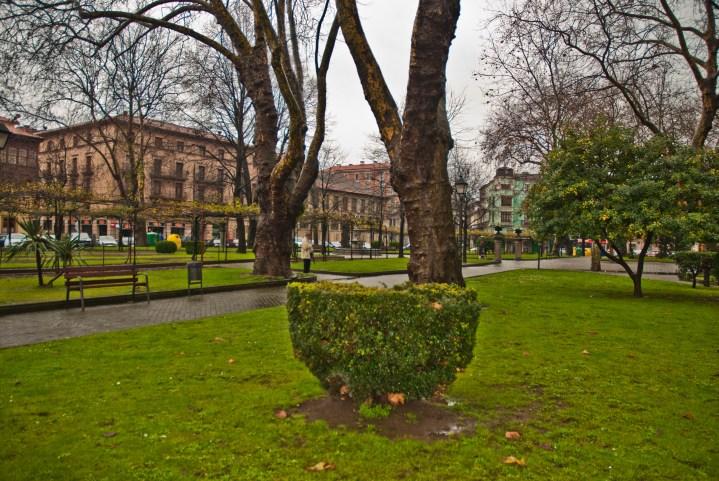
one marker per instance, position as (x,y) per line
(64,252)
(35,243)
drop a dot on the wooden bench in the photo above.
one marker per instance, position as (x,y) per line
(88,277)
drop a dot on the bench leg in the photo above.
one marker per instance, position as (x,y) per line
(82,297)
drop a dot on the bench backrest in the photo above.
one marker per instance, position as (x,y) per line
(99,271)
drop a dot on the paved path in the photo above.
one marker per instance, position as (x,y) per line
(30,328)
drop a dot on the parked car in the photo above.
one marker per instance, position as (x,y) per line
(106,240)
(335,244)
(216,242)
(128,240)
(12,239)
(83,238)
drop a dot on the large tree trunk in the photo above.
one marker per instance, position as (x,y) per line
(141,232)
(273,249)
(418,144)
(251,232)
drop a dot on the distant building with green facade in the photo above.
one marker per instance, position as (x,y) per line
(501,200)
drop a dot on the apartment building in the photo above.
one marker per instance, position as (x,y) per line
(356,199)
(179,164)
(501,201)
(18,163)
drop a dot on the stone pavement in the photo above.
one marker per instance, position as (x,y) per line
(30,328)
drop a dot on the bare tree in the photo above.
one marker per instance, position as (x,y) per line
(417,143)
(271,49)
(645,50)
(105,99)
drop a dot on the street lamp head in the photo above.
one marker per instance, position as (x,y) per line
(460,185)
(4,135)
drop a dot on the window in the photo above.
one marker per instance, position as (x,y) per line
(506,201)
(201,193)
(220,176)
(506,186)
(179,169)
(157,166)
(344,203)
(88,165)
(354,205)
(159,142)
(201,173)
(156,188)
(22,157)
(180,146)
(12,155)
(201,149)
(356,177)
(50,145)
(74,166)
(178,191)
(362,205)
(75,140)
(506,217)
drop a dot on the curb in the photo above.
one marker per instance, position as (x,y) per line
(7,310)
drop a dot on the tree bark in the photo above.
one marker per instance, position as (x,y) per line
(38,265)
(418,144)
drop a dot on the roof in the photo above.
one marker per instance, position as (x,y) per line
(20,131)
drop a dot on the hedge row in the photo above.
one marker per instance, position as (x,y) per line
(165,247)
(410,339)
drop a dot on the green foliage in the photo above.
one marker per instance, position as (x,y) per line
(190,248)
(692,263)
(410,339)
(376,244)
(35,244)
(65,252)
(374,411)
(165,247)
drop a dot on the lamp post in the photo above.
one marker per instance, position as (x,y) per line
(460,186)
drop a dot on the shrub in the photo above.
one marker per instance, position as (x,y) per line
(394,245)
(166,247)
(410,339)
(692,263)
(190,248)
(376,244)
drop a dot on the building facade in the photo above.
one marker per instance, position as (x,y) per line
(355,199)
(178,164)
(18,163)
(501,201)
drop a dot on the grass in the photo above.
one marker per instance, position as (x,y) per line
(145,255)
(166,403)
(24,289)
(366,266)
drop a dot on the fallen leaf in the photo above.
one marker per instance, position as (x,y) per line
(321,466)
(344,390)
(512,435)
(688,415)
(218,340)
(585,352)
(109,434)
(281,414)
(436,306)
(513,460)
(525,354)
(231,360)
(395,398)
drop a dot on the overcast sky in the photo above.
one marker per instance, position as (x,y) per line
(388,25)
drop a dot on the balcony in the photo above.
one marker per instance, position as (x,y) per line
(159,175)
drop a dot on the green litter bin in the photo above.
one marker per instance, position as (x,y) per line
(152,238)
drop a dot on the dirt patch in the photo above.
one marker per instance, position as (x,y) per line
(423,420)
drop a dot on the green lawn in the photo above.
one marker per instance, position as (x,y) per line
(365,266)
(145,255)
(166,403)
(18,290)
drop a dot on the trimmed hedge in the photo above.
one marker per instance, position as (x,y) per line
(411,339)
(190,248)
(165,247)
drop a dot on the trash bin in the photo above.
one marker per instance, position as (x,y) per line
(194,275)
(152,238)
